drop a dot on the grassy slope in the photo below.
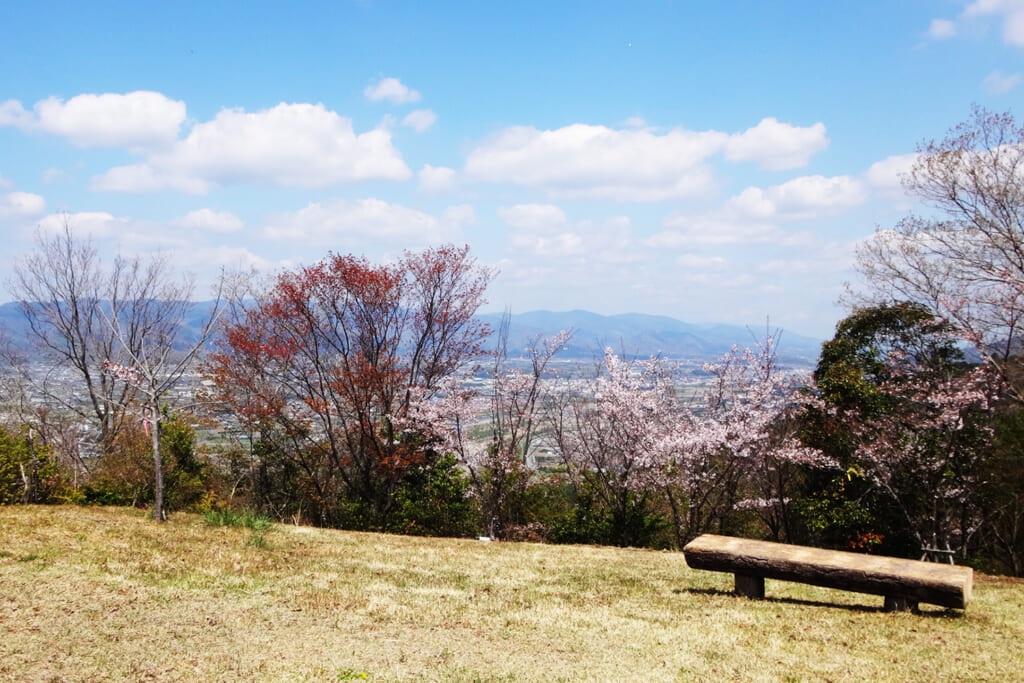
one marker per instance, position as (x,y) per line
(105,594)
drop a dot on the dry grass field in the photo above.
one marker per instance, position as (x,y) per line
(94,594)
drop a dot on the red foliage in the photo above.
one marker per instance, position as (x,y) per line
(325,361)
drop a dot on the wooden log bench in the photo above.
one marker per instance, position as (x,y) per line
(904,583)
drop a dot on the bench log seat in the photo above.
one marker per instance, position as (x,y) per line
(904,583)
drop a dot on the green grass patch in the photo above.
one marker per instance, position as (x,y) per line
(249,520)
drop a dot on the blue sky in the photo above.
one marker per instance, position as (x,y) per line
(710,161)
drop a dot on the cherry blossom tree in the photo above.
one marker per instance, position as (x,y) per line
(928,450)
(630,437)
(900,407)
(498,465)
(965,259)
(612,438)
(742,450)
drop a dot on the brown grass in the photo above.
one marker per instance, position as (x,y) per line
(105,594)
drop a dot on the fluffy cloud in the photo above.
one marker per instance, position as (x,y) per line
(21,205)
(13,114)
(582,161)
(756,215)
(420,120)
(208,219)
(392,90)
(295,145)
(1010,11)
(884,176)
(95,224)
(800,198)
(137,120)
(140,178)
(544,231)
(996,83)
(436,178)
(355,222)
(777,146)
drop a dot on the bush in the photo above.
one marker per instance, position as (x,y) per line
(125,475)
(29,473)
(433,500)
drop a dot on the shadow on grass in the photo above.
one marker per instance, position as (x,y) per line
(936,612)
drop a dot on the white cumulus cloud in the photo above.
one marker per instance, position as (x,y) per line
(355,222)
(1010,11)
(12,113)
(800,198)
(136,120)
(295,145)
(885,176)
(436,178)
(21,205)
(95,224)
(419,120)
(777,146)
(998,83)
(582,161)
(545,232)
(533,217)
(392,90)
(758,215)
(208,219)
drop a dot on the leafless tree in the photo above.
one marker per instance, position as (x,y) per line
(157,360)
(965,258)
(69,298)
(105,324)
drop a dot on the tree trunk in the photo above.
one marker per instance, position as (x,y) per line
(158,466)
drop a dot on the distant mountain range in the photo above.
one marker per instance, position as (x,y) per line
(641,335)
(630,334)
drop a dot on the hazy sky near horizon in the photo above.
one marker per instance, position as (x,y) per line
(709,161)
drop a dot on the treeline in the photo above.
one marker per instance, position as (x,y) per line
(350,383)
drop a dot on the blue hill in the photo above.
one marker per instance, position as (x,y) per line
(629,334)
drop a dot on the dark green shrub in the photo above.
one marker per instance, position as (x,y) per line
(433,500)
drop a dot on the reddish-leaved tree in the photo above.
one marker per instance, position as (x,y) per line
(324,366)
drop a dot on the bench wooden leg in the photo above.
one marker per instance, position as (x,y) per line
(749,586)
(897,604)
